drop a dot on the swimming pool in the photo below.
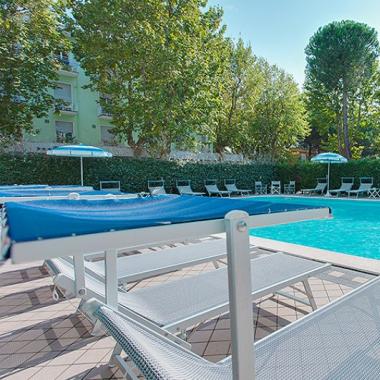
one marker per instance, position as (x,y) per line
(354,230)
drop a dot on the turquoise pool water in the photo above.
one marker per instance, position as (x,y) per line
(354,230)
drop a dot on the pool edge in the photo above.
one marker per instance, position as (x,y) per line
(337,258)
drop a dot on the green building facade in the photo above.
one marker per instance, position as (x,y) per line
(77,118)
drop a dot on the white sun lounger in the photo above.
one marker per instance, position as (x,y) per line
(138,267)
(230,185)
(319,189)
(338,341)
(184,188)
(345,187)
(156,187)
(213,189)
(177,305)
(366,184)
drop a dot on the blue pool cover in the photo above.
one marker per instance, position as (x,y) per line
(21,191)
(35,220)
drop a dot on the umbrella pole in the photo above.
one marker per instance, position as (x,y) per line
(81,171)
(328,180)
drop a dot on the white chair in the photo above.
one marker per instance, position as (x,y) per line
(275,187)
(290,188)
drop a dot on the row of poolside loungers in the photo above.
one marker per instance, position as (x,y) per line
(339,341)
(211,188)
(346,188)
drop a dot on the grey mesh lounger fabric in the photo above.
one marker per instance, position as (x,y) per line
(137,267)
(179,304)
(340,341)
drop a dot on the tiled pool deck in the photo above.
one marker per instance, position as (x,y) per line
(44,339)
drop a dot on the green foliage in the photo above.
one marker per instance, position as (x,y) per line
(170,76)
(236,84)
(342,84)
(278,121)
(151,58)
(29,36)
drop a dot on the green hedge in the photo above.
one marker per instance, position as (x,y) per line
(305,173)
(134,173)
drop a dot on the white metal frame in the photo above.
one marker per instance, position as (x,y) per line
(236,223)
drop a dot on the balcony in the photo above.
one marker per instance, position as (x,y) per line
(104,115)
(67,68)
(65,109)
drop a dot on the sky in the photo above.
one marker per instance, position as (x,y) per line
(279,30)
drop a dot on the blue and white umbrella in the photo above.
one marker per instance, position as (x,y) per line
(329,158)
(80,151)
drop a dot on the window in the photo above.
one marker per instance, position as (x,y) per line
(63,93)
(64,131)
(107,136)
(105,101)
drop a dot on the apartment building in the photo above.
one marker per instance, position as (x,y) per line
(77,117)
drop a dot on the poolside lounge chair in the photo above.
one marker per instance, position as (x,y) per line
(365,186)
(156,187)
(110,186)
(184,188)
(275,187)
(260,189)
(230,185)
(319,189)
(138,267)
(290,188)
(212,189)
(338,341)
(345,187)
(177,305)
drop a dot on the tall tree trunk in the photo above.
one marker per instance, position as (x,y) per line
(339,132)
(346,137)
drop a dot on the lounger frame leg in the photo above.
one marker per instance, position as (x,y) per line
(97,330)
(111,281)
(80,282)
(116,352)
(124,367)
(309,294)
(239,286)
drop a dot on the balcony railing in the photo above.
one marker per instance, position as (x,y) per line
(103,113)
(67,65)
(65,107)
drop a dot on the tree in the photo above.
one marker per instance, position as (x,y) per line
(235,88)
(151,60)
(279,117)
(341,58)
(30,34)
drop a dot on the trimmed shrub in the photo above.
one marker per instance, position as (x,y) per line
(134,173)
